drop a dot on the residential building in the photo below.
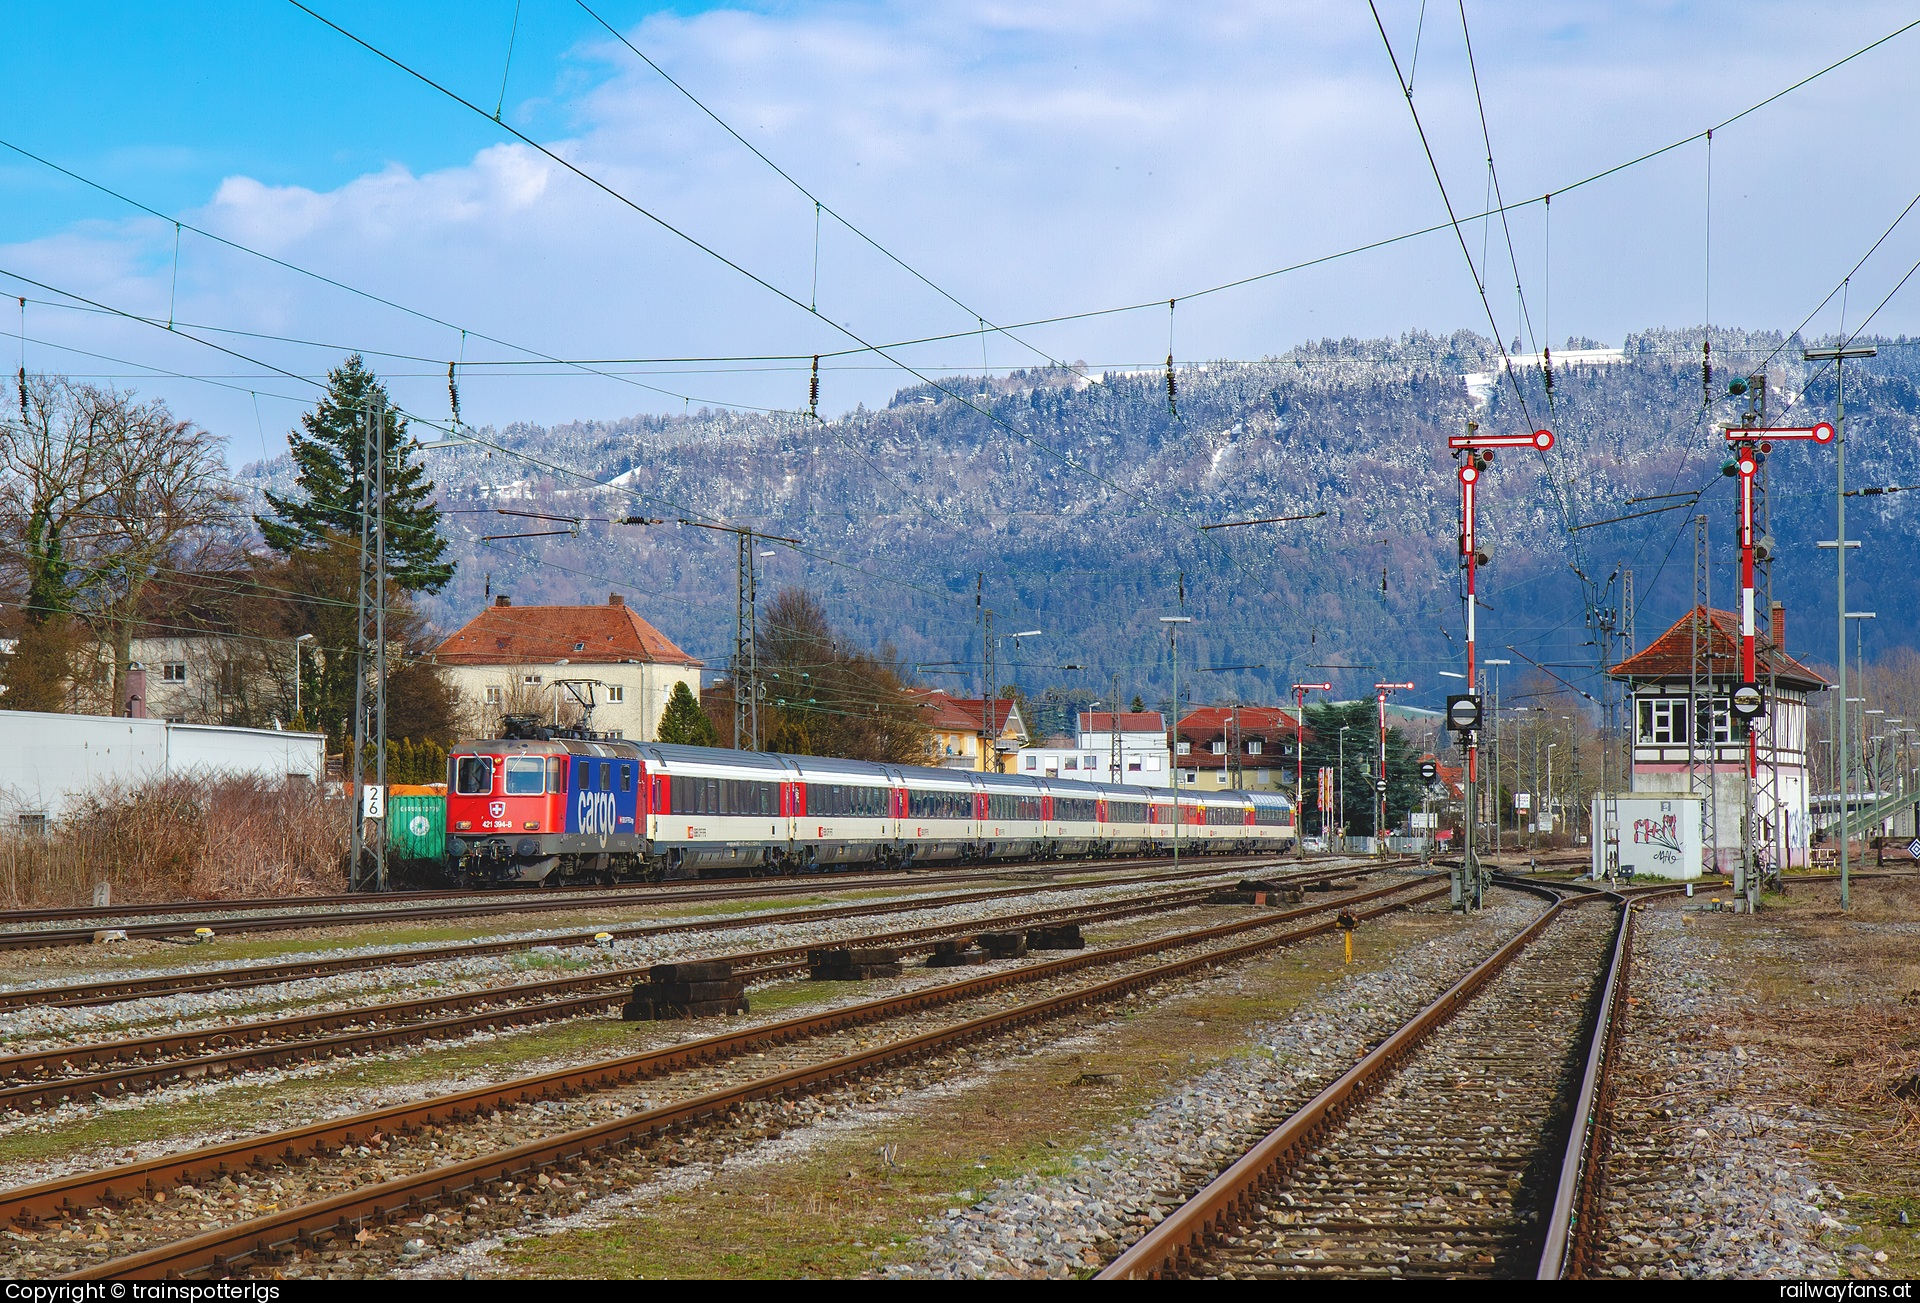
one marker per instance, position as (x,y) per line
(956,725)
(511,660)
(1142,750)
(1683,743)
(1250,748)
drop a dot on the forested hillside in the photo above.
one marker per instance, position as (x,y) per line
(1080,505)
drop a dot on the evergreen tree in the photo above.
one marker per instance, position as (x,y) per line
(684,722)
(1362,759)
(327,453)
(1138,705)
(789,738)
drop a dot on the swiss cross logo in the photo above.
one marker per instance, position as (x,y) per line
(498,809)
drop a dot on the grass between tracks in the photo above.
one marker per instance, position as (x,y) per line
(239,947)
(838,1207)
(211,1110)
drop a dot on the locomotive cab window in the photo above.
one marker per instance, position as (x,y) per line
(556,774)
(473,775)
(626,778)
(526,775)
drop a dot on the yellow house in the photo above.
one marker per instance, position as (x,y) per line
(955,723)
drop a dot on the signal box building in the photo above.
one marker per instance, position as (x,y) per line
(1685,742)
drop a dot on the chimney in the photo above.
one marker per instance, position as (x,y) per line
(136,691)
(1777,625)
(614,599)
(503,600)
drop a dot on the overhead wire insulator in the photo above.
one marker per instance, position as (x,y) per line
(453,394)
(1546,365)
(23,396)
(1173,407)
(813,390)
(1706,372)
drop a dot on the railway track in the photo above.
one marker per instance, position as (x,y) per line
(319,1203)
(113,991)
(112,1069)
(1467,1144)
(482,904)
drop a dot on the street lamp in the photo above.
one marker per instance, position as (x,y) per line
(1340,792)
(1494,717)
(1838,356)
(305,637)
(1173,623)
(1549,791)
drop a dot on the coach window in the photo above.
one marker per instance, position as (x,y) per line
(473,776)
(525,775)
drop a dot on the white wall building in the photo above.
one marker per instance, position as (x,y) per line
(1143,751)
(508,659)
(48,761)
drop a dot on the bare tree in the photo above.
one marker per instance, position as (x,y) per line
(52,473)
(99,494)
(166,507)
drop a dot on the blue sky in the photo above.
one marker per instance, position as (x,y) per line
(1031,160)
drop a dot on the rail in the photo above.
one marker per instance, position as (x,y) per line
(260,1240)
(1228,1196)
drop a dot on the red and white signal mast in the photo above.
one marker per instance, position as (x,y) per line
(1750,444)
(1463,709)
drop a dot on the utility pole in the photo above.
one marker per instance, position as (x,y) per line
(1475,452)
(370,653)
(1113,737)
(746,663)
(1300,691)
(1838,356)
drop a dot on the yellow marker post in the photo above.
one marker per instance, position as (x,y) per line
(1349,947)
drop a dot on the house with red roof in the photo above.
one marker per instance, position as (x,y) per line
(1250,748)
(533,660)
(957,724)
(1687,742)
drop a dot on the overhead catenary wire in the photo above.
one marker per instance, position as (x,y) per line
(731,264)
(819,206)
(587,365)
(1479,283)
(469,437)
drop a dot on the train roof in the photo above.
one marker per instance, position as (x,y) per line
(559,746)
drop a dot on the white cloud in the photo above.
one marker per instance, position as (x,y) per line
(1038,159)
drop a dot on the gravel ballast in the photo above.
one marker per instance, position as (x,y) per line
(1703,1183)
(1128,1181)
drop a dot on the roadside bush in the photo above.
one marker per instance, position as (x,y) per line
(183,836)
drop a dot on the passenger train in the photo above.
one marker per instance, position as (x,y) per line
(545,805)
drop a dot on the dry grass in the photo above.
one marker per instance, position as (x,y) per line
(182,836)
